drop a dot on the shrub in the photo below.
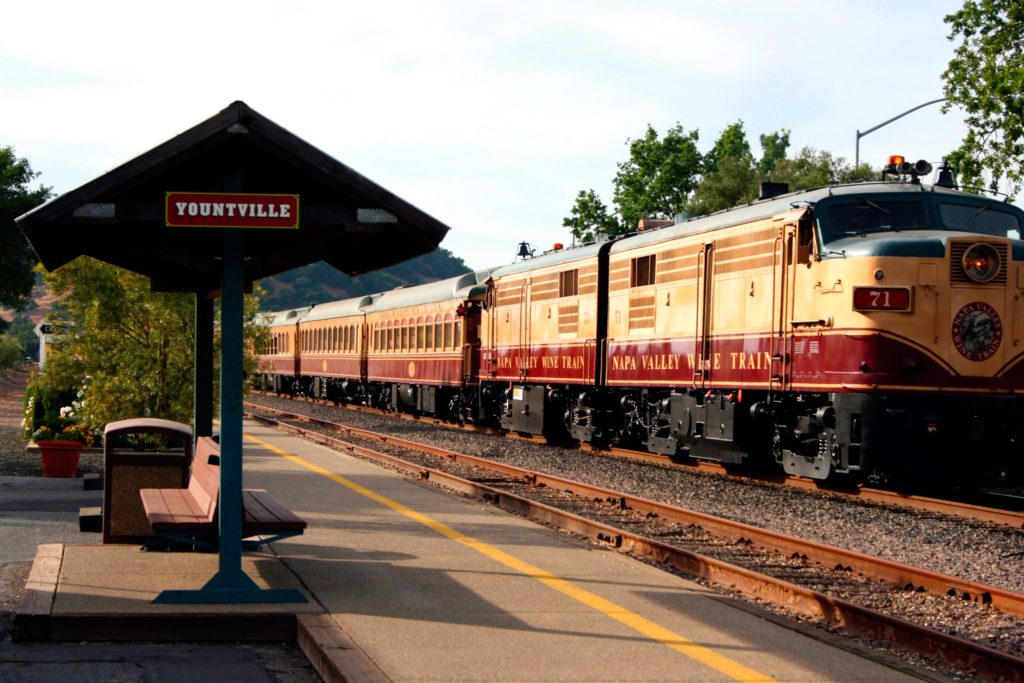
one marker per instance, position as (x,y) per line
(11,351)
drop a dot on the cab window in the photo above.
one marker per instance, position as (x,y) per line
(983,219)
(876,214)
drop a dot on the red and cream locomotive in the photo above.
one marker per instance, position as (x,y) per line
(871,329)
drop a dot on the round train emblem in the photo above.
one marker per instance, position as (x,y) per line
(977,331)
(412,369)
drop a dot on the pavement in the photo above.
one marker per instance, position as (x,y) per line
(37,511)
(404,583)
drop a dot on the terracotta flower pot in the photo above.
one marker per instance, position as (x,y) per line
(60,458)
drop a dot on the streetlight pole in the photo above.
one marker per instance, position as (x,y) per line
(860,134)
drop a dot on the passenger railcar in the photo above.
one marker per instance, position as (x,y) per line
(413,348)
(424,346)
(332,364)
(278,367)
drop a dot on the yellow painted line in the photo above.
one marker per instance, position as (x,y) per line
(645,627)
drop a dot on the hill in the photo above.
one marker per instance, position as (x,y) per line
(319,282)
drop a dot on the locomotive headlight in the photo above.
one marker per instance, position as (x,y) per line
(981,263)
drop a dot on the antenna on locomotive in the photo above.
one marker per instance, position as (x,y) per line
(525,250)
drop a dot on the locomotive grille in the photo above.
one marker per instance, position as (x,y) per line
(568,318)
(641,312)
(957,276)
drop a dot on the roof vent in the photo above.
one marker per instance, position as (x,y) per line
(768,190)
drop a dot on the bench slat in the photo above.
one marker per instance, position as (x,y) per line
(263,513)
(193,509)
(173,509)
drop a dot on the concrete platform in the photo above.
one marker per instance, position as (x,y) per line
(106,592)
(410,584)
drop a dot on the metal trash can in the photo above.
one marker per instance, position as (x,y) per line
(127,470)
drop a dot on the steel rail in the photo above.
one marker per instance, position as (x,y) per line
(979,513)
(854,619)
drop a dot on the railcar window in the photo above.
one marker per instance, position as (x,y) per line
(876,215)
(438,334)
(983,219)
(569,283)
(642,271)
(458,333)
(448,334)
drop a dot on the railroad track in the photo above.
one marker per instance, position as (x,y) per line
(829,585)
(1008,514)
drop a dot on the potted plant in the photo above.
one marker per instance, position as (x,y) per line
(60,438)
(60,446)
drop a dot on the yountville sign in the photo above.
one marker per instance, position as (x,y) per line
(231,210)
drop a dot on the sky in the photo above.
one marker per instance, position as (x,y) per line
(489,116)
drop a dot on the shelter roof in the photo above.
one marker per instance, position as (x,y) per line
(345,219)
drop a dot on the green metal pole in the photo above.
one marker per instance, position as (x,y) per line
(202,410)
(230,506)
(230,584)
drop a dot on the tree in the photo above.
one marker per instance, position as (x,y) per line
(730,175)
(16,256)
(986,78)
(731,144)
(22,329)
(665,176)
(813,168)
(659,176)
(127,349)
(773,148)
(589,217)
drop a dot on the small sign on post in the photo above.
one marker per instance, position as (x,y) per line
(231,210)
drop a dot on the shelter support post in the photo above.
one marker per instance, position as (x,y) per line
(202,412)
(231,584)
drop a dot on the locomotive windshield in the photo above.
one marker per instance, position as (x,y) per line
(876,214)
(984,219)
(866,214)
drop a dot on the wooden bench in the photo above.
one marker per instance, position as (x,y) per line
(189,515)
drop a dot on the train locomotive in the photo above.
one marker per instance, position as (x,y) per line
(866,331)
